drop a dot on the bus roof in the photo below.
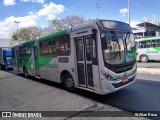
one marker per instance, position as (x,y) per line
(56,34)
(151,38)
(29,42)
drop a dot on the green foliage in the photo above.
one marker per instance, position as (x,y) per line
(25,34)
(14,36)
(67,22)
(55,25)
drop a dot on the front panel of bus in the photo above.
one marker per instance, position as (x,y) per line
(119,56)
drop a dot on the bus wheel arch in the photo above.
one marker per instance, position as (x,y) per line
(144,58)
(68,81)
(25,72)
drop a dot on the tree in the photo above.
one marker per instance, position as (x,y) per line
(34,32)
(14,36)
(70,21)
(66,22)
(29,33)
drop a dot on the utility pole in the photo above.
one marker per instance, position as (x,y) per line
(17,22)
(129,12)
(98,7)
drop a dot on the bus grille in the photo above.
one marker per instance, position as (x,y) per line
(121,83)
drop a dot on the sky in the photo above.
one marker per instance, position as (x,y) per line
(39,12)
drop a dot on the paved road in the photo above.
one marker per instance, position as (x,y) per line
(149,64)
(20,94)
(143,95)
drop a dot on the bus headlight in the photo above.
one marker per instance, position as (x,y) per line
(106,75)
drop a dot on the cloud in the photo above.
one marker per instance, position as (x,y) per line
(13,2)
(48,11)
(134,23)
(37,1)
(9,2)
(8,26)
(154,16)
(123,11)
(51,10)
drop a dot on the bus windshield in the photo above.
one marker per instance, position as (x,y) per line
(119,47)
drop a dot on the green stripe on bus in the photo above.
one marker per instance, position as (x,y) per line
(157,48)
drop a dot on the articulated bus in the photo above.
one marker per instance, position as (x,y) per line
(148,49)
(97,56)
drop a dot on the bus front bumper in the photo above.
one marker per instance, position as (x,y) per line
(112,86)
(9,66)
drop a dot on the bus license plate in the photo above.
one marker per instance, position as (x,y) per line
(125,80)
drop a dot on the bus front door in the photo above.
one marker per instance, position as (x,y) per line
(35,59)
(84,61)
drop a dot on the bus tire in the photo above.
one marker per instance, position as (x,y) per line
(5,67)
(2,67)
(69,83)
(144,58)
(25,72)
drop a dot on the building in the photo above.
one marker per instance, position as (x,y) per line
(147,29)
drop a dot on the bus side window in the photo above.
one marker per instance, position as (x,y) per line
(148,44)
(25,51)
(137,45)
(61,45)
(157,43)
(45,47)
(145,44)
(152,43)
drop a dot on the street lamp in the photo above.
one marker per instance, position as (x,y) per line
(98,7)
(129,12)
(17,22)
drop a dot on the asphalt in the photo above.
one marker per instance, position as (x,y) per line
(20,94)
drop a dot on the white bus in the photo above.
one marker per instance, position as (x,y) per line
(97,56)
(148,49)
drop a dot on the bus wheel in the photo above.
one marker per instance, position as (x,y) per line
(2,67)
(5,67)
(144,58)
(69,82)
(25,72)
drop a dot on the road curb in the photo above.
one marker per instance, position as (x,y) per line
(154,71)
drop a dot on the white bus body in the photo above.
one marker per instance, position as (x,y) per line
(92,63)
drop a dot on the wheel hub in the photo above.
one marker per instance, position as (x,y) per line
(143,58)
(69,82)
